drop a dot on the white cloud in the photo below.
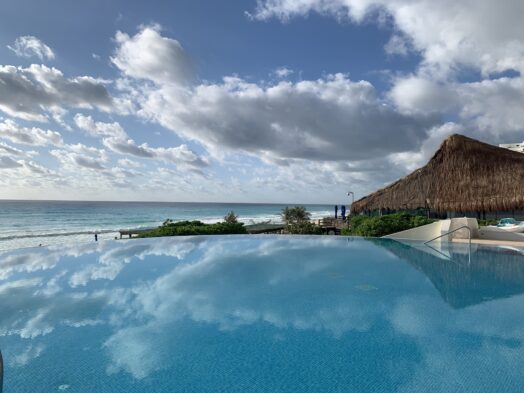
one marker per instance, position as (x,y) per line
(28,136)
(116,140)
(488,108)
(87,123)
(29,46)
(283,72)
(148,55)
(480,34)
(178,155)
(15,152)
(290,124)
(414,160)
(493,106)
(415,94)
(127,163)
(27,93)
(330,119)
(80,156)
(8,163)
(397,45)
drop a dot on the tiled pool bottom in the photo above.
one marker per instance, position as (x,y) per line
(262,314)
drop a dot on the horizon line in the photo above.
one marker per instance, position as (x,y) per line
(144,201)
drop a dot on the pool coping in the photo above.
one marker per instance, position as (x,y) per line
(490,242)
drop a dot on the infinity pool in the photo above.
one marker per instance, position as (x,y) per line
(262,314)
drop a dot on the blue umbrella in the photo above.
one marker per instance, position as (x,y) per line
(336,211)
(343,211)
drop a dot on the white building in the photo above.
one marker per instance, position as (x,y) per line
(513,146)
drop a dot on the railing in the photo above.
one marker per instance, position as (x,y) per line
(453,231)
(449,233)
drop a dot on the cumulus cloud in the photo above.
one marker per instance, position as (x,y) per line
(28,136)
(15,152)
(178,155)
(414,160)
(27,93)
(97,128)
(331,119)
(117,140)
(127,163)
(414,94)
(493,106)
(149,55)
(128,146)
(29,46)
(397,45)
(283,72)
(488,108)
(479,34)
(8,163)
(451,37)
(75,156)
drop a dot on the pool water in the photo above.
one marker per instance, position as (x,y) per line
(262,314)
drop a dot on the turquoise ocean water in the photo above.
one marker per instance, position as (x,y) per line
(31,223)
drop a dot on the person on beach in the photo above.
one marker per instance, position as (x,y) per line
(96,237)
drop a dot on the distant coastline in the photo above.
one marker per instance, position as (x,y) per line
(34,222)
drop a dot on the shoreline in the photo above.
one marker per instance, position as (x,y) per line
(31,223)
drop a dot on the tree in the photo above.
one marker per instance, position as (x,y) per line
(295,215)
(231,218)
(297,220)
(167,222)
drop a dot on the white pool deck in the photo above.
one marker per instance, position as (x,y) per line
(479,235)
(491,242)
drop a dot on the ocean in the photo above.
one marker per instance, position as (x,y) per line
(34,223)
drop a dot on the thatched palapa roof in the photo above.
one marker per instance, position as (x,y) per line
(464,175)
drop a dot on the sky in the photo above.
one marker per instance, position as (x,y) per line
(245,100)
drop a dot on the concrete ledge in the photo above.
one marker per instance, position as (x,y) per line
(424,233)
(492,242)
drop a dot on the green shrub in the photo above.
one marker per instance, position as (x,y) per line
(303,228)
(384,225)
(297,220)
(189,228)
(484,223)
(294,215)
(231,218)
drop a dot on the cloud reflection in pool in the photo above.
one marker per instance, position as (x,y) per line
(250,313)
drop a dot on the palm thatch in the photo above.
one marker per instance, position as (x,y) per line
(464,175)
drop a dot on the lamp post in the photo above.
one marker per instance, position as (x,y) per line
(352,200)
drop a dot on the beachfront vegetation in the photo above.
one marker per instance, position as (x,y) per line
(231,218)
(189,228)
(295,215)
(303,228)
(297,221)
(484,223)
(361,225)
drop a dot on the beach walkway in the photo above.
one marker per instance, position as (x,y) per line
(133,232)
(256,229)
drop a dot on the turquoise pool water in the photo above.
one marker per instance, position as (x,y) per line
(262,314)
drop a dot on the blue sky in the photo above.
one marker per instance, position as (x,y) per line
(268,101)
